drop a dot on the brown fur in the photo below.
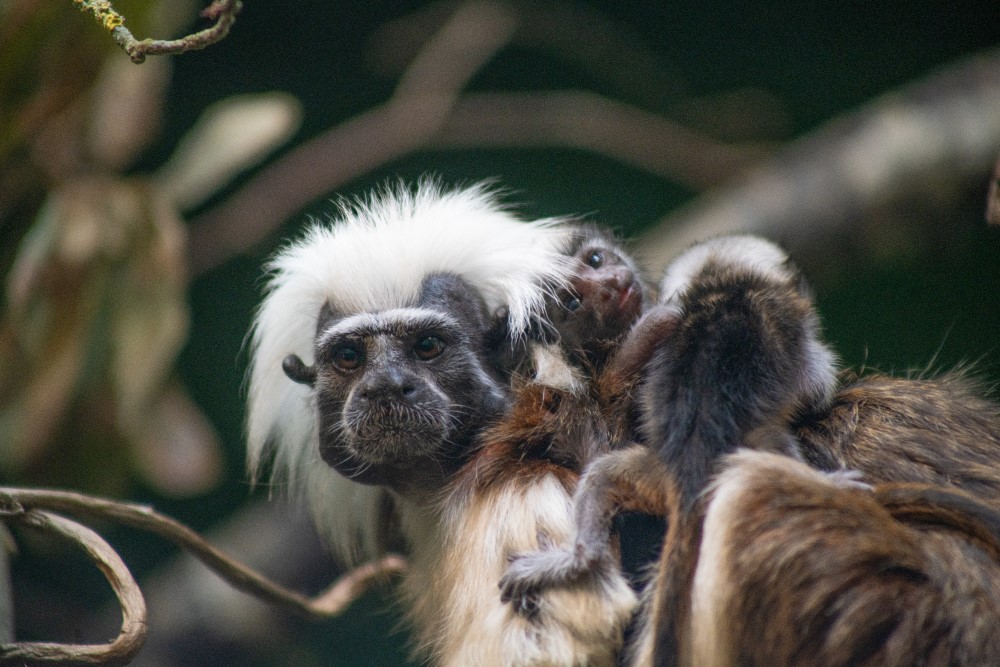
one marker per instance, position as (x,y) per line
(914,559)
(515,495)
(823,574)
(935,430)
(891,562)
(454,604)
(820,571)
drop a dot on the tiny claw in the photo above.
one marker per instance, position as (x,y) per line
(519,595)
(527,606)
(851,479)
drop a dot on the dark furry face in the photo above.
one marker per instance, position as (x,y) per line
(400,394)
(604,297)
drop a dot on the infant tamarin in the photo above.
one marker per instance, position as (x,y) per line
(743,363)
(587,358)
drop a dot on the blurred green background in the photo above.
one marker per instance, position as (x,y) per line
(922,295)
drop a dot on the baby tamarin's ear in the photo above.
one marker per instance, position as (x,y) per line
(508,352)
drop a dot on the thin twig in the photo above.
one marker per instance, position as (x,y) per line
(133,630)
(331,602)
(606,49)
(574,119)
(468,40)
(223,12)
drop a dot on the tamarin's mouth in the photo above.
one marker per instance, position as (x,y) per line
(630,302)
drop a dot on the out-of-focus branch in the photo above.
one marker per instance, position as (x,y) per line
(186,599)
(609,50)
(464,44)
(584,120)
(133,607)
(417,108)
(353,583)
(993,198)
(427,110)
(915,146)
(330,602)
(223,12)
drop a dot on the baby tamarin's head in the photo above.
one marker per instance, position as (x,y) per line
(602,299)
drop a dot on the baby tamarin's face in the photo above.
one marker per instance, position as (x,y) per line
(602,299)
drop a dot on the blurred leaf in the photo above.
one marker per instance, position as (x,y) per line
(229,137)
(176,447)
(148,316)
(54,290)
(50,56)
(95,310)
(96,316)
(37,395)
(126,109)
(44,66)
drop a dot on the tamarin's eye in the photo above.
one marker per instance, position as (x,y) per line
(428,347)
(347,357)
(572,303)
(596,259)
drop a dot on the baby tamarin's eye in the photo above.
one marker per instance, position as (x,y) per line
(572,303)
(596,259)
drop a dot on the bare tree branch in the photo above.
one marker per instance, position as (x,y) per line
(133,607)
(223,12)
(579,119)
(330,602)
(351,585)
(426,109)
(916,145)
(610,50)
(464,44)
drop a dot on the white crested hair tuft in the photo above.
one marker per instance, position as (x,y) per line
(750,253)
(372,255)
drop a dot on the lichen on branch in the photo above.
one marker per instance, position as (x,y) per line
(102,11)
(222,12)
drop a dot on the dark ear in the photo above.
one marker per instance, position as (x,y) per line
(297,371)
(452,294)
(507,353)
(499,330)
